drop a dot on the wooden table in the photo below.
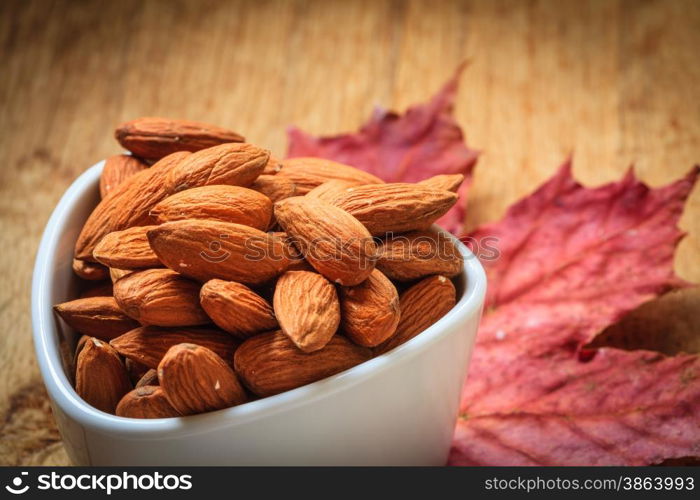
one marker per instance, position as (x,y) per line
(614,82)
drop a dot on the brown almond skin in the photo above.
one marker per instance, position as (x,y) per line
(127,205)
(270,363)
(307,308)
(90,271)
(100,377)
(309,172)
(205,250)
(160,297)
(422,305)
(148,378)
(335,243)
(127,249)
(414,255)
(236,308)
(196,380)
(218,202)
(154,138)
(274,187)
(235,164)
(99,317)
(446,182)
(330,190)
(370,311)
(116,169)
(146,402)
(147,345)
(395,208)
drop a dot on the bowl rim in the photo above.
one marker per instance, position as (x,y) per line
(64,396)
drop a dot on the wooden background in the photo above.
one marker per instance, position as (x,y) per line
(614,82)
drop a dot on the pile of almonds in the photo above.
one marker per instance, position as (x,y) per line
(216,274)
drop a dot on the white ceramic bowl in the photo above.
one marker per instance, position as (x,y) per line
(396,409)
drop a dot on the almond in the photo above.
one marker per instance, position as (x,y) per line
(219,202)
(309,172)
(397,208)
(417,254)
(236,308)
(329,191)
(205,250)
(276,188)
(127,249)
(148,378)
(146,402)
(307,308)
(160,297)
(196,380)
(131,202)
(116,169)
(270,363)
(148,345)
(91,271)
(370,311)
(99,317)
(335,243)
(154,138)
(236,164)
(127,205)
(100,377)
(421,306)
(272,167)
(446,182)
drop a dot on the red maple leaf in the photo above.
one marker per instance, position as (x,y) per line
(572,261)
(424,141)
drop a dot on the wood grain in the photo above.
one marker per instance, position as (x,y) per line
(614,83)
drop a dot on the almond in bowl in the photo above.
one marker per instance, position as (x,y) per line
(230,317)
